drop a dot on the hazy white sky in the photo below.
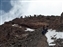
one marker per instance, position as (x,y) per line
(41,0)
(31,7)
(45,7)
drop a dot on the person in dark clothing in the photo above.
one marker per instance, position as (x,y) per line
(45,30)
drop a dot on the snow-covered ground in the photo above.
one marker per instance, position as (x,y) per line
(29,29)
(53,34)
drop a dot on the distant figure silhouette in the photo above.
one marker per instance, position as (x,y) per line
(45,30)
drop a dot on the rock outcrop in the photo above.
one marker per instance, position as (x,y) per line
(12,33)
(11,36)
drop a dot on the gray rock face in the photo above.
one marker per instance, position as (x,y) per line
(33,39)
(36,39)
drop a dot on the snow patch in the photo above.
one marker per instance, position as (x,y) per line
(53,34)
(16,25)
(29,29)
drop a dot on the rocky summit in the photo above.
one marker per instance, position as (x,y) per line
(26,32)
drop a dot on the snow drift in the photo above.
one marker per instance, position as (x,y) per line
(53,34)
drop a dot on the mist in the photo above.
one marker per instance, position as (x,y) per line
(16,8)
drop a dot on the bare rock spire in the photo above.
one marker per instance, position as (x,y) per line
(61,18)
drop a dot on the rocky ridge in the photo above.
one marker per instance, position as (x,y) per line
(12,33)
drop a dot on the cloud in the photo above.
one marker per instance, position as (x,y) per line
(45,7)
(17,10)
(31,7)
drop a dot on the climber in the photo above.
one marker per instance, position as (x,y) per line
(45,30)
